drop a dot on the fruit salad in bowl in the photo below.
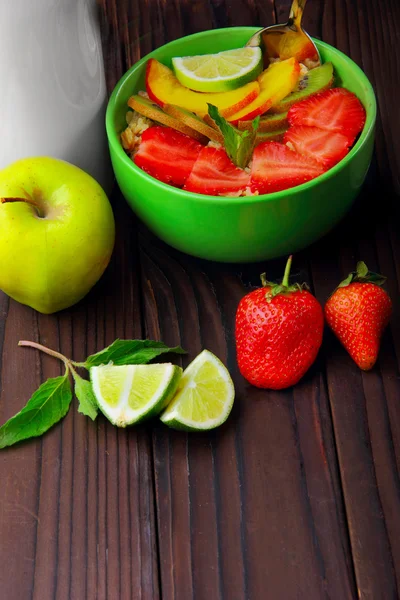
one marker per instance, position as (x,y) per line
(229,161)
(258,131)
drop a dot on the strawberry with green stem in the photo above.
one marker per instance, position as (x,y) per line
(358,312)
(278,333)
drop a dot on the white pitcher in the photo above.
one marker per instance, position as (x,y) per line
(52,85)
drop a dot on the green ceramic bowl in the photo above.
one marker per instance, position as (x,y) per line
(249,228)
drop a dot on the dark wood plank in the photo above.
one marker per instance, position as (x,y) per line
(363,431)
(19,470)
(365,407)
(298,495)
(77,506)
(375,578)
(256,505)
(184,466)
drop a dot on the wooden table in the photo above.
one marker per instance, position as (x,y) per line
(297,497)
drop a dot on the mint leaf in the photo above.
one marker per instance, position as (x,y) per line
(128,352)
(87,399)
(48,405)
(239,145)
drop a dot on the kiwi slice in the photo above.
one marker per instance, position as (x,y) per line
(191,120)
(146,108)
(209,121)
(270,136)
(316,80)
(267,123)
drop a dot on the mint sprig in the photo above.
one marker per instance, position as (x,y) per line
(239,145)
(51,401)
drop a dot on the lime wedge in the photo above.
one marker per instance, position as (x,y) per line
(219,72)
(132,393)
(204,398)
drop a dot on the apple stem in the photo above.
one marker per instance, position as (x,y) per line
(48,351)
(26,200)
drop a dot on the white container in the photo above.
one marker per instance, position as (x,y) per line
(53,93)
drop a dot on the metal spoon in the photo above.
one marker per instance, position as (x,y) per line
(285,41)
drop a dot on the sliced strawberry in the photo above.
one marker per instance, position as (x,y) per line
(214,173)
(167,155)
(326,147)
(275,167)
(336,110)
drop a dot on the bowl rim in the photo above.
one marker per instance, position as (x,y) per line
(116,145)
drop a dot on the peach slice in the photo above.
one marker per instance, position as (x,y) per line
(276,83)
(164,88)
(291,44)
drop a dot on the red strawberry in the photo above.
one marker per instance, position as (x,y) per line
(357,312)
(326,147)
(275,167)
(167,155)
(214,173)
(278,333)
(336,110)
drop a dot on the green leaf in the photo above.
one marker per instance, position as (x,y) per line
(346,281)
(363,275)
(362,269)
(239,145)
(48,405)
(128,352)
(375,278)
(87,399)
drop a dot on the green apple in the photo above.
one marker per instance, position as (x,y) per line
(56,233)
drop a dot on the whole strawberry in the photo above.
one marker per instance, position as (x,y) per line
(279,331)
(357,312)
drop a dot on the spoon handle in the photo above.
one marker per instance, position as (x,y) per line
(296,12)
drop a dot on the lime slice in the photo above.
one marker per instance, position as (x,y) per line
(132,393)
(204,398)
(219,72)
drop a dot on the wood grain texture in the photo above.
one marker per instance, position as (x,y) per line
(365,407)
(297,496)
(76,506)
(261,497)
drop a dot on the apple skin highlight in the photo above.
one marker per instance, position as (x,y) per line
(57,233)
